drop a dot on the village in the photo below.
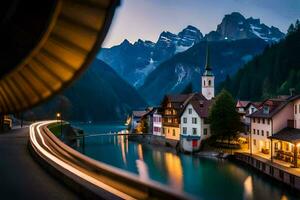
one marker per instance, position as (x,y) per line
(270,129)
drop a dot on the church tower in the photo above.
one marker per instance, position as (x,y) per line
(208,79)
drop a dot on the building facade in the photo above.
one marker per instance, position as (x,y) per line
(157,123)
(194,127)
(273,116)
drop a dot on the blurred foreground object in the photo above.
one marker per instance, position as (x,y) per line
(43,50)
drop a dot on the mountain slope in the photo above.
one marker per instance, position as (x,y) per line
(235,26)
(270,74)
(173,75)
(134,62)
(99,95)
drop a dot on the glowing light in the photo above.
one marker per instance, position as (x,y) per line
(58,115)
(298,145)
(35,130)
(174,168)
(248,188)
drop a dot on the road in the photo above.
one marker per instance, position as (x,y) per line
(21,177)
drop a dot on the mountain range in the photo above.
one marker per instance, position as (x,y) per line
(279,71)
(236,40)
(173,75)
(100,94)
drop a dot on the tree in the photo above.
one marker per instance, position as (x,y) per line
(223,117)
(291,29)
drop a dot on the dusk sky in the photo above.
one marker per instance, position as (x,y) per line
(146,19)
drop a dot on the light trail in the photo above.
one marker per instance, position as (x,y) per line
(64,165)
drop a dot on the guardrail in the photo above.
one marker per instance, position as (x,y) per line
(93,178)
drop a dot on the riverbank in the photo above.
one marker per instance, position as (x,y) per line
(174,146)
(288,176)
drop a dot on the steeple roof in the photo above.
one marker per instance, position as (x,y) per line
(208,69)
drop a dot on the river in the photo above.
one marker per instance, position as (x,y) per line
(204,178)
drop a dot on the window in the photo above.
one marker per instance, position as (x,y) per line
(257,132)
(262,132)
(168,130)
(169,120)
(253,120)
(209,82)
(263,121)
(174,112)
(204,83)
(174,132)
(190,111)
(194,131)
(175,120)
(252,110)
(184,120)
(295,109)
(254,131)
(268,134)
(194,120)
(205,131)
(269,121)
(254,142)
(258,121)
(184,130)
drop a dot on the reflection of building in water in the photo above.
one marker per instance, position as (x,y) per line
(248,188)
(141,165)
(124,146)
(174,169)
(140,152)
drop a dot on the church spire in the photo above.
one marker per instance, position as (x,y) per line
(208,69)
(207,63)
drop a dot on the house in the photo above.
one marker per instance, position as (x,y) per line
(194,126)
(245,108)
(172,106)
(136,117)
(275,129)
(157,122)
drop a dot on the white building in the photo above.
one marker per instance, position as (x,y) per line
(157,123)
(194,127)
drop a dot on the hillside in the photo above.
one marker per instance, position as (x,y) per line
(173,75)
(272,73)
(99,95)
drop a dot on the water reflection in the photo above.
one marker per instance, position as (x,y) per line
(141,165)
(204,178)
(121,142)
(174,170)
(248,188)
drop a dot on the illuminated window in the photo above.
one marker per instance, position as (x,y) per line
(254,142)
(174,132)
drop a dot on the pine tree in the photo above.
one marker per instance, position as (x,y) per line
(223,117)
(291,29)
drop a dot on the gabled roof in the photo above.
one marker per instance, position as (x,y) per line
(139,113)
(201,107)
(242,104)
(274,104)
